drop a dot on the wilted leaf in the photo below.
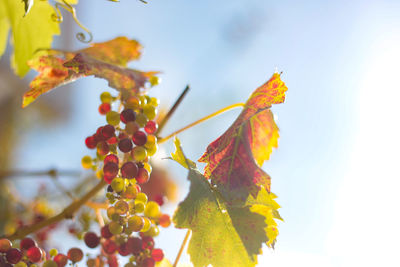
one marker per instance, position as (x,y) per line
(223,234)
(28,33)
(57,68)
(234,159)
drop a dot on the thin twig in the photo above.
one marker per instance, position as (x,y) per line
(51,173)
(182,247)
(67,213)
(172,110)
(162,140)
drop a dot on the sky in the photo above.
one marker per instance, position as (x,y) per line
(335,170)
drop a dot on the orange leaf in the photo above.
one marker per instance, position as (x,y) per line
(104,60)
(234,159)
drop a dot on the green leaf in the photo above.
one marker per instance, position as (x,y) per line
(179,157)
(28,34)
(223,234)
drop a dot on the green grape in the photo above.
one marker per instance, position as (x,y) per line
(87,162)
(129,264)
(153,231)
(115,228)
(112,117)
(118,184)
(139,153)
(142,197)
(110,196)
(147,166)
(150,111)
(135,223)
(121,207)
(152,150)
(147,224)
(33,265)
(154,80)
(151,141)
(112,213)
(20,264)
(49,263)
(152,209)
(141,119)
(53,252)
(130,192)
(143,100)
(154,102)
(128,231)
(106,97)
(139,207)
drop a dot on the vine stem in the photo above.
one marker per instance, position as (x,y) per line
(182,247)
(162,140)
(67,213)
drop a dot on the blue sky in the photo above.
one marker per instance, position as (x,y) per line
(335,169)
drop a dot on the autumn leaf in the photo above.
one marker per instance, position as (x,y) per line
(234,159)
(103,60)
(29,33)
(222,234)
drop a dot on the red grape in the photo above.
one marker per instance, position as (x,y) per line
(13,255)
(139,138)
(134,245)
(151,127)
(142,176)
(112,261)
(128,115)
(75,254)
(110,170)
(27,243)
(157,254)
(108,131)
(103,148)
(149,262)
(90,142)
(129,170)
(61,260)
(104,108)
(148,242)
(159,199)
(5,245)
(91,240)
(123,249)
(112,140)
(109,246)
(105,232)
(125,145)
(34,254)
(111,158)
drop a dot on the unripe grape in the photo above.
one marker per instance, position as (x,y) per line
(152,150)
(132,103)
(112,117)
(147,166)
(135,223)
(151,141)
(87,162)
(150,111)
(127,115)
(13,255)
(5,245)
(91,239)
(153,231)
(142,176)
(91,142)
(104,108)
(106,97)
(129,170)
(53,252)
(139,207)
(103,148)
(125,145)
(61,260)
(143,100)
(20,264)
(131,127)
(34,254)
(105,232)
(157,254)
(151,127)
(147,224)
(118,184)
(154,80)
(121,207)
(139,153)
(139,138)
(50,263)
(154,101)
(142,197)
(115,228)
(130,192)
(152,210)
(141,119)
(109,246)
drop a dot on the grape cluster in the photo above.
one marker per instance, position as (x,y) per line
(124,147)
(30,254)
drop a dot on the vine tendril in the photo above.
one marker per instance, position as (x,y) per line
(59,18)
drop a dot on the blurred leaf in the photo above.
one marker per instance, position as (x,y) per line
(28,33)
(104,60)
(234,159)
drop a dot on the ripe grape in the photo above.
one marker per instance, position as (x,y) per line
(91,239)
(111,158)
(110,170)
(61,260)
(132,103)
(159,199)
(150,111)
(134,245)
(139,138)
(148,242)
(129,170)
(50,263)
(104,108)
(151,127)
(98,136)
(131,127)
(165,220)
(108,131)
(112,140)
(122,135)
(112,117)
(90,142)
(105,232)
(109,246)
(123,249)
(112,214)
(13,255)
(125,145)
(135,223)
(130,192)
(157,254)
(27,243)
(148,262)
(142,176)
(139,153)
(5,245)
(75,254)
(103,148)
(34,254)
(106,97)
(86,162)
(152,210)
(112,261)
(118,184)
(128,115)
